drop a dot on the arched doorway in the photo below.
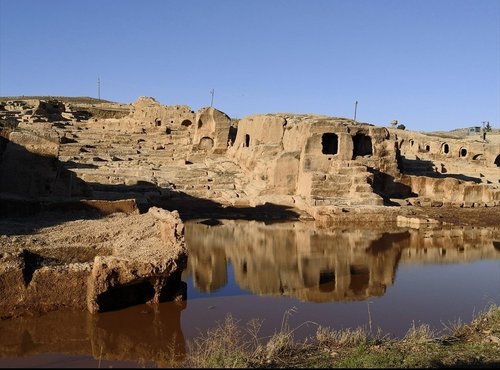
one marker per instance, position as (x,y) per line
(206,143)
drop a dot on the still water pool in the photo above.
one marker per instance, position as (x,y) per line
(385,278)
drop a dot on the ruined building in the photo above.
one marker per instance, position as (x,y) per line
(154,152)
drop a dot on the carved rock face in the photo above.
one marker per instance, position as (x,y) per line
(113,262)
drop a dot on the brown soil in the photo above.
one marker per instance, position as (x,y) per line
(480,217)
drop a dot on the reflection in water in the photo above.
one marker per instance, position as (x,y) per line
(138,333)
(300,261)
(283,265)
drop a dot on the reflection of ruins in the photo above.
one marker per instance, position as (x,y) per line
(323,265)
(129,335)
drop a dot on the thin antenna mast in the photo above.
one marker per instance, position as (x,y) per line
(212,92)
(355,110)
(98,88)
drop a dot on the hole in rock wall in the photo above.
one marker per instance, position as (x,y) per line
(330,143)
(186,123)
(463,152)
(247,140)
(362,145)
(446,148)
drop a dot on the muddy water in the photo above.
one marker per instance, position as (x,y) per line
(341,278)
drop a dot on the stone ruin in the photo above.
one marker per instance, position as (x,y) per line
(312,162)
(25,112)
(323,161)
(212,130)
(117,158)
(454,171)
(316,160)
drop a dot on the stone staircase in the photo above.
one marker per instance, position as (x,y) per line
(118,165)
(349,184)
(412,165)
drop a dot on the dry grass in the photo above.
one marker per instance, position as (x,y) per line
(230,344)
(418,334)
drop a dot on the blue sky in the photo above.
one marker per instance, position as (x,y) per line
(431,64)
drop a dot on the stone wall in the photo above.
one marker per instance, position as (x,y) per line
(313,156)
(30,167)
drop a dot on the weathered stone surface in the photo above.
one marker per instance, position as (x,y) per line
(152,268)
(29,167)
(414,222)
(211,130)
(105,264)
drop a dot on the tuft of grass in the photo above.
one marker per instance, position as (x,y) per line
(327,337)
(418,334)
(222,347)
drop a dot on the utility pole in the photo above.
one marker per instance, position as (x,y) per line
(98,88)
(355,110)
(212,92)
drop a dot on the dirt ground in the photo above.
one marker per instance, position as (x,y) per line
(479,217)
(90,234)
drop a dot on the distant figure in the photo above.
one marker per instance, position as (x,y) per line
(484,135)
(229,143)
